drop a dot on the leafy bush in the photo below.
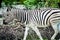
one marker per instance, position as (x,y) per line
(32,4)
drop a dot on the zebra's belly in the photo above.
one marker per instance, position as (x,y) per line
(37,25)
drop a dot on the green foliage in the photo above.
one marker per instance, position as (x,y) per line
(41,3)
(51,3)
(8,2)
(32,4)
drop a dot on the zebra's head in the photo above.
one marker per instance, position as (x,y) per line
(14,14)
(8,17)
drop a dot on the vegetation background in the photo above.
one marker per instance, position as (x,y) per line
(32,4)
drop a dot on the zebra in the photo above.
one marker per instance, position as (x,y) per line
(37,18)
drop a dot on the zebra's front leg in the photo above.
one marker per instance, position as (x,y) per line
(53,37)
(26,33)
(56,31)
(37,32)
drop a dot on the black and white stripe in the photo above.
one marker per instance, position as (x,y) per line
(40,16)
(44,17)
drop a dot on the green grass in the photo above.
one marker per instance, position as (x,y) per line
(33,37)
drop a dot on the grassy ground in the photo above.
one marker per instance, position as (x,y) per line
(33,38)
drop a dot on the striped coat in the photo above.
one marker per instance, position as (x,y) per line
(37,18)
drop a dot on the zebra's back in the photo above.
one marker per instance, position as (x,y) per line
(44,17)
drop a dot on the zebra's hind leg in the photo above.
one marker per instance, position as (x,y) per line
(26,33)
(54,26)
(37,32)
